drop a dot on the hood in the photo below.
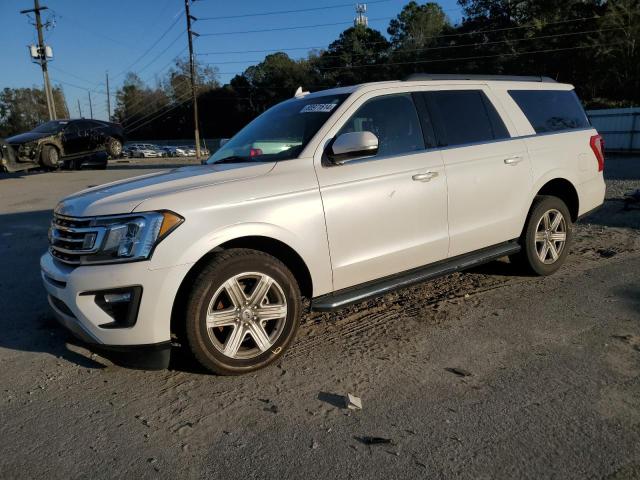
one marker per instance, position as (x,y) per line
(27,137)
(125,195)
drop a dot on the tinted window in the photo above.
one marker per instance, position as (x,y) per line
(551,110)
(393,119)
(465,116)
(51,127)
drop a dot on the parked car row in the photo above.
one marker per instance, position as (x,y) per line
(149,150)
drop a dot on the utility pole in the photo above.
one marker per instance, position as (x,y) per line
(90,105)
(194,92)
(108,100)
(79,109)
(51,106)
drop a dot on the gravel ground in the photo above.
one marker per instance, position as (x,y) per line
(484,374)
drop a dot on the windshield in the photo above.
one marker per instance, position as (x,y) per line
(50,127)
(281,132)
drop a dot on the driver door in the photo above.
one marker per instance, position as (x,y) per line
(387,213)
(72,141)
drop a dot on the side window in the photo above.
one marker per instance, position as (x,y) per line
(83,125)
(465,116)
(393,119)
(551,110)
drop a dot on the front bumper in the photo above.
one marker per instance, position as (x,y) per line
(67,287)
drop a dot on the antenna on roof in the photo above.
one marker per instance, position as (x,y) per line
(300,93)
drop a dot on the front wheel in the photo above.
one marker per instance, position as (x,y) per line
(50,157)
(243,312)
(546,238)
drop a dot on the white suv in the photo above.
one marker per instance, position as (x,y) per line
(336,196)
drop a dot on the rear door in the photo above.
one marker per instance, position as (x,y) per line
(488,173)
(387,213)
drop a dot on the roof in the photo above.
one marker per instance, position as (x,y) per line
(497,81)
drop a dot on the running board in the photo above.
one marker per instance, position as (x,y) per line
(348,296)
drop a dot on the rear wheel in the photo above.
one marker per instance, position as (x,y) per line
(243,312)
(546,238)
(114,147)
(50,157)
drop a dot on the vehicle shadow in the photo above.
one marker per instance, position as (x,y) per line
(26,321)
(614,214)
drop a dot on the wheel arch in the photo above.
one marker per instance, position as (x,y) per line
(278,249)
(565,191)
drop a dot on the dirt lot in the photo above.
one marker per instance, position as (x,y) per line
(550,385)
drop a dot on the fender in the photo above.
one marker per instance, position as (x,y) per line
(319,265)
(554,174)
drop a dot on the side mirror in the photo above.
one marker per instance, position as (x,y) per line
(350,146)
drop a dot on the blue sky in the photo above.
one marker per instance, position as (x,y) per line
(91,37)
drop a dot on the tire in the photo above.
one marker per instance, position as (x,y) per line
(540,242)
(50,157)
(113,146)
(241,342)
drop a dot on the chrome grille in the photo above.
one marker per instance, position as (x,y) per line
(71,238)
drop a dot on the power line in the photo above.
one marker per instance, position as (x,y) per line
(181,98)
(436,60)
(477,57)
(93,31)
(57,69)
(163,51)
(142,101)
(81,88)
(448,47)
(129,129)
(449,35)
(177,17)
(280,29)
(300,10)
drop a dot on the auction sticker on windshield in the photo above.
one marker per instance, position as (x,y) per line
(318,107)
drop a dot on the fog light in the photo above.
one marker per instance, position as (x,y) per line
(121,304)
(117,297)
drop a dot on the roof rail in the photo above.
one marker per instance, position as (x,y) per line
(499,78)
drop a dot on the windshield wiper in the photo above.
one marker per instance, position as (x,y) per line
(234,159)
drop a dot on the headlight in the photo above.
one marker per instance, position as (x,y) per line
(132,237)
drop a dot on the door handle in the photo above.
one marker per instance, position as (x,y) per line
(513,160)
(424,177)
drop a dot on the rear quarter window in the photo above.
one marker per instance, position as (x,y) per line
(551,110)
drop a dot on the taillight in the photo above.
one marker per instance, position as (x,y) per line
(254,152)
(597,145)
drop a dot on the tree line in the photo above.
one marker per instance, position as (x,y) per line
(593,44)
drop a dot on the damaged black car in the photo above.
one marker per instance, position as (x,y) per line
(70,144)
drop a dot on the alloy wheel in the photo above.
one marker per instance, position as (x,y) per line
(246,315)
(551,236)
